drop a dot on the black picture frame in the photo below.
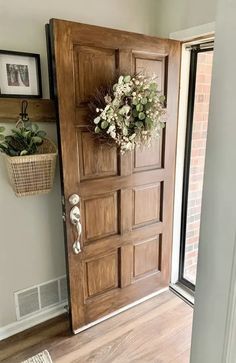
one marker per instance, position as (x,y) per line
(32,70)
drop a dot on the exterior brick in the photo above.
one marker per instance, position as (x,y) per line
(198,150)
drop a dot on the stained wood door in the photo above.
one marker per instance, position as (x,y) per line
(126,202)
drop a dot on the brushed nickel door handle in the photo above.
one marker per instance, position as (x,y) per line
(75,220)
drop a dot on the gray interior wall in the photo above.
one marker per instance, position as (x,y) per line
(31,236)
(175,15)
(218,225)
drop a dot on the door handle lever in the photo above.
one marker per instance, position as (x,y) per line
(75,220)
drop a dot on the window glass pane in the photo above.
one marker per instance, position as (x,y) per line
(197,161)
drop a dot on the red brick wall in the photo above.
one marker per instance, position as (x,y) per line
(199,135)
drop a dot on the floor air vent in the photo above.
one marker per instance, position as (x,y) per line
(39,298)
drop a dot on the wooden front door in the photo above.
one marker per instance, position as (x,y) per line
(126,202)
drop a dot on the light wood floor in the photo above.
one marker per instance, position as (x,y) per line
(156,331)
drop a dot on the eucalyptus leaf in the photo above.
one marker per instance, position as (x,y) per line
(153,86)
(139,124)
(97,130)
(127,79)
(2,129)
(141,115)
(144,101)
(148,122)
(104,125)
(139,107)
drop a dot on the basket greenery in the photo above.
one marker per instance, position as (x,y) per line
(23,140)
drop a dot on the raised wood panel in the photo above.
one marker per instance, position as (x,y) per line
(146,204)
(93,67)
(101,216)
(146,257)
(146,158)
(38,110)
(152,65)
(102,274)
(96,159)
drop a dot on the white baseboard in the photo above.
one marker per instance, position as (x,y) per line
(21,325)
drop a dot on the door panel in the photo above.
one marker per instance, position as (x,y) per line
(126,201)
(100,216)
(146,257)
(92,66)
(146,204)
(101,274)
(147,158)
(94,161)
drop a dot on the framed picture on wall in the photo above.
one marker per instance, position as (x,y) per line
(20,75)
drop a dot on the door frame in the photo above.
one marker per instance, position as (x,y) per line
(176,282)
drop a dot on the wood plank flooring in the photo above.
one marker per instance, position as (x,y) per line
(156,331)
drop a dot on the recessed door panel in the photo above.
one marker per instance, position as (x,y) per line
(153,66)
(101,274)
(100,216)
(149,157)
(146,204)
(97,160)
(94,67)
(146,257)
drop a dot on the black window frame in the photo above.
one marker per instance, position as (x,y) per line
(195,50)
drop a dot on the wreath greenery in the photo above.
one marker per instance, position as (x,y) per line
(130,113)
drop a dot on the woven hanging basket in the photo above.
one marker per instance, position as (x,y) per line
(33,174)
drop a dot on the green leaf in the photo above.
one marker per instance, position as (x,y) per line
(37,139)
(97,130)
(148,122)
(24,152)
(153,86)
(139,124)
(141,116)
(34,127)
(41,133)
(97,120)
(104,125)
(162,98)
(127,79)
(2,137)
(148,106)
(139,107)
(135,113)
(144,101)
(2,128)
(135,101)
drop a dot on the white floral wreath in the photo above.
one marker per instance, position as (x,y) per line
(132,114)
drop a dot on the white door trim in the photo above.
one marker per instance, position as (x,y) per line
(229,353)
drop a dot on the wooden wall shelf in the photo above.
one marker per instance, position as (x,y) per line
(39,110)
